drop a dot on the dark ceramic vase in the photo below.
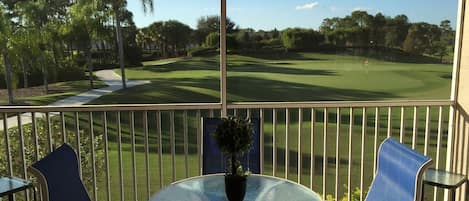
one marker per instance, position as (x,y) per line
(235,187)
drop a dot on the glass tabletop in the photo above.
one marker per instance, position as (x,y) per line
(10,185)
(212,188)
(443,179)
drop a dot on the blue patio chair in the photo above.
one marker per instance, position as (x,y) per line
(58,176)
(399,173)
(212,158)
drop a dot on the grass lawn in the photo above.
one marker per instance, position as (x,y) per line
(289,77)
(57,91)
(285,77)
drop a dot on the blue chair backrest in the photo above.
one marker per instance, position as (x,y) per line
(399,174)
(212,158)
(58,171)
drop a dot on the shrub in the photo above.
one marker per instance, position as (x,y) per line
(43,146)
(202,51)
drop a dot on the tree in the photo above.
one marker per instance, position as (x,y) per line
(377,31)
(117,7)
(396,31)
(5,33)
(86,17)
(212,40)
(177,34)
(46,19)
(301,39)
(210,24)
(446,42)
(422,38)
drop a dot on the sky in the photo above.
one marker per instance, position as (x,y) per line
(280,14)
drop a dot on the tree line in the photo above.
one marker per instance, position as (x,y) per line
(46,41)
(357,30)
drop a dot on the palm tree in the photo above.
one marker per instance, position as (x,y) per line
(117,5)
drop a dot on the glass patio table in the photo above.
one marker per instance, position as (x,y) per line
(212,188)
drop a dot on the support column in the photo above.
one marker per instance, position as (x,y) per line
(223,73)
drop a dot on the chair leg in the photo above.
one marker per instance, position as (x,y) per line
(422,194)
(467,190)
(452,194)
(34,192)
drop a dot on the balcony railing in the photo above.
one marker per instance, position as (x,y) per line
(129,152)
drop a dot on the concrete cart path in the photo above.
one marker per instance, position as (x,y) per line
(112,79)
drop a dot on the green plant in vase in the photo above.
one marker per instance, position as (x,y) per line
(234,137)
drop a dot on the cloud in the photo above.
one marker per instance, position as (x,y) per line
(361,9)
(307,6)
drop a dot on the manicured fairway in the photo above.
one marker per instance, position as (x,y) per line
(292,77)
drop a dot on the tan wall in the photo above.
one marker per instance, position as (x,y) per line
(463,89)
(460,159)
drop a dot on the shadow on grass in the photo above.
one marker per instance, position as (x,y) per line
(240,88)
(263,68)
(276,55)
(243,66)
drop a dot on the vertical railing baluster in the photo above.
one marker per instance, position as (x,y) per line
(78,139)
(349,172)
(261,136)
(210,113)
(324,153)
(362,163)
(389,121)
(49,133)
(93,158)
(455,145)
(458,143)
(119,153)
(415,128)
(464,161)
(460,152)
(300,121)
(311,160)
(160,147)
(7,144)
(375,144)
(248,113)
(402,129)
(34,132)
(274,142)
(287,143)
(106,157)
(173,146)
(337,153)
(147,153)
(64,134)
(134,160)
(199,141)
(438,145)
(186,143)
(22,150)
(427,130)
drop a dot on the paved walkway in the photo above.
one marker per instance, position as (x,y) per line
(113,80)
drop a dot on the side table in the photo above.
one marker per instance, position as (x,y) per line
(11,185)
(444,179)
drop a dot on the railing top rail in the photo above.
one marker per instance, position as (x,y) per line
(113,107)
(335,104)
(235,105)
